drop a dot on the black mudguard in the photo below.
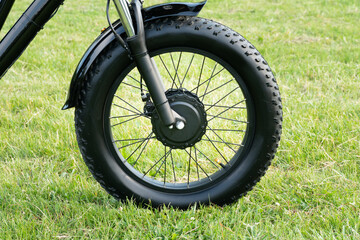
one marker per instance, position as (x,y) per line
(107,37)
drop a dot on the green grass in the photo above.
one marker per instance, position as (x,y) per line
(311,190)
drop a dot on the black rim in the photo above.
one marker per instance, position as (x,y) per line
(229,115)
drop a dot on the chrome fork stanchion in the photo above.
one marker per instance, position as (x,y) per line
(122,7)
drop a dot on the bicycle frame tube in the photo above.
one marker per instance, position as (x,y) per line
(24,30)
(5,7)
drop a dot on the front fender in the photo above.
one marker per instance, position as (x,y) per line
(107,37)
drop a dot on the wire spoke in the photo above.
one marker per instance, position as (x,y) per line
(225,96)
(133,79)
(129,144)
(165,167)
(125,121)
(125,108)
(217,88)
(138,81)
(197,165)
(221,106)
(132,139)
(230,119)
(173,80)
(157,163)
(188,166)
(207,80)
(221,139)
(142,142)
(133,86)
(207,158)
(142,150)
(228,130)
(128,103)
(172,162)
(216,148)
(123,116)
(231,107)
(176,68)
(201,70)
(211,140)
(132,143)
(142,115)
(207,86)
(181,84)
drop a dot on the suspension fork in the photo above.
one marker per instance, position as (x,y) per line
(144,63)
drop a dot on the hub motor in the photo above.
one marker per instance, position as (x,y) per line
(189,106)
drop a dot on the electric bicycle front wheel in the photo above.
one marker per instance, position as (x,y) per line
(217,81)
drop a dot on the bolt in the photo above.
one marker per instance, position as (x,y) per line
(180,125)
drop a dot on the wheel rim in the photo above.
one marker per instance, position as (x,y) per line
(133,139)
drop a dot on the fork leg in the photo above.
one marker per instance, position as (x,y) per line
(144,63)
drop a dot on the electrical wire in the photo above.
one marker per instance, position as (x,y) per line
(117,36)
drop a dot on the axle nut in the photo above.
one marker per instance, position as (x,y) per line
(180,125)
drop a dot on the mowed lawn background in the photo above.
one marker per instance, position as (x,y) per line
(311,191)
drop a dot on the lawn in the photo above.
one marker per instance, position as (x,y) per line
(311,190)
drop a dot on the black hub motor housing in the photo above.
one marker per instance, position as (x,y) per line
(189,106)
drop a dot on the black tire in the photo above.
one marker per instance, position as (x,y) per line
(242,124)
